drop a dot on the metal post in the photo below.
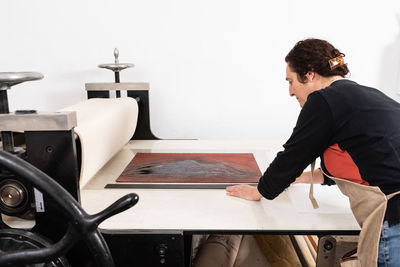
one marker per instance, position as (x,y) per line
(6,136)
(118,92)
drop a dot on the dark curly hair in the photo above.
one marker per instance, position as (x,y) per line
(313,55)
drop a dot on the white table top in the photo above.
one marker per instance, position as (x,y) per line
(205,210)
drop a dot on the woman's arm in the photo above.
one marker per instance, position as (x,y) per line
(251,192)
(305,177)
(310,137)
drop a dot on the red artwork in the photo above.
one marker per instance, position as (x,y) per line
(191,168)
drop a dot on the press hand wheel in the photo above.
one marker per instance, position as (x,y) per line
(8,79)
(81,225)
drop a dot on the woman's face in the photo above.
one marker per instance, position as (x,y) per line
(298,89)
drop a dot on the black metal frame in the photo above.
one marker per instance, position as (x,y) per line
(55,153)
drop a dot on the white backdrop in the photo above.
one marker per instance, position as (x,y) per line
(216,67)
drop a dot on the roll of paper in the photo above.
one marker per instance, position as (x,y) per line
(104,127)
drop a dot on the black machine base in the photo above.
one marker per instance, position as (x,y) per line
(146,249)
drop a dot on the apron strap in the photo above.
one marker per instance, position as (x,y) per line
(332,177)
(392,195)
(311,194)
(329,176)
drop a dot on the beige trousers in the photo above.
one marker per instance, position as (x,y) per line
(247,250)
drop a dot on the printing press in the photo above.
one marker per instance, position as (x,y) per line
(85,148)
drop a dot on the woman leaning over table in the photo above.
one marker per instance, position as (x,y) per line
(355,130)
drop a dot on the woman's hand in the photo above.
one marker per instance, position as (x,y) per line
(244,191)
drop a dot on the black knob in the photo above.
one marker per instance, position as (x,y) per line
(162,250)
(328,245)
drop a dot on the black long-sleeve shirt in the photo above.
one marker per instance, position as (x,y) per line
(363,122)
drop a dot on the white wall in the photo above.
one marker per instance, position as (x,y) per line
(216,67)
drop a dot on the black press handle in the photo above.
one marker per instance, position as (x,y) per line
(118,206)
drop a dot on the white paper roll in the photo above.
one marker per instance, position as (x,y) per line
(104,127)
